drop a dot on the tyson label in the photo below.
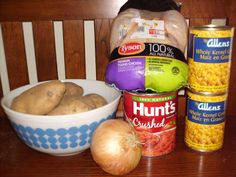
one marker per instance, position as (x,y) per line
(131,48)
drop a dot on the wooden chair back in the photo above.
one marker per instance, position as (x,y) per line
(42,40)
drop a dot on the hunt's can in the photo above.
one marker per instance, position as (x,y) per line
(205,121)
(154,118)
(209,58)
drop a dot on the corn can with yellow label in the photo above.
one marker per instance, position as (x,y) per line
(205,121)
(209,58)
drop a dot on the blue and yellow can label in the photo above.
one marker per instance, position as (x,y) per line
(208,113)
(205,121)
(209,58)
(213,50)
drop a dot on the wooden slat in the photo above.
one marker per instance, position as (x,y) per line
(120,112)
(199,21)
(182,106)
(15,54)
(1,95)
(89,44)
(45,50)
(232,94)
(30,52)
(26,10)
(74,49)
(59,45)
(1,92)
(219,21)
(198,11)
(3,66)
(102,31)
(205,8)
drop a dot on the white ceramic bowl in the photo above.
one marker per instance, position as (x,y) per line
(63,134)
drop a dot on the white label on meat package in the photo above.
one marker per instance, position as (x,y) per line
(123,29)
(148,29)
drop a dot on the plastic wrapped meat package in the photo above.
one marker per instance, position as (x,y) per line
(147,45)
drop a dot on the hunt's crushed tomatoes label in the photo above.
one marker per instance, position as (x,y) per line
(154,118)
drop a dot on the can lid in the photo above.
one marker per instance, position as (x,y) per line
(212,27)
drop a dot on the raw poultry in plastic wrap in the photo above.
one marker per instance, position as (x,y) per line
(147,45)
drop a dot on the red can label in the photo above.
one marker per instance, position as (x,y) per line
(154,118)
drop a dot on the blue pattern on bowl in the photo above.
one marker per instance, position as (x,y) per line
(60,138)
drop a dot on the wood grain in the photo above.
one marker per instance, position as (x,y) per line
(102,33)
(205,8)
(1,92)
(120,112)
(74,49)
(15,54)
(45,50)
(18,160)
(1,95)
(199,21)
(182,106)
(232,87)
(26,10)
(43,12)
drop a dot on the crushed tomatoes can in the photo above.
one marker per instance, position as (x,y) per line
(205,121)
(154,118)
(209,58)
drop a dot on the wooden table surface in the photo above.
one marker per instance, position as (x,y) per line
(18,160)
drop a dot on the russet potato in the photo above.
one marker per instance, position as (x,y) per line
(40,99)
(96,99)
(73,89)
(56,98)
(70,105)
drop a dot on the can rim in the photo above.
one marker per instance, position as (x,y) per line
(204,151)
(212,27)
(205,93)
(150,94)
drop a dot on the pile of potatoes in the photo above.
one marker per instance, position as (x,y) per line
(56,98)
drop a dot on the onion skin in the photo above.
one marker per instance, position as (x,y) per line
(115,147)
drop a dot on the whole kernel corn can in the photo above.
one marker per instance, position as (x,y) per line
(205,121)
(153,116)
(209,58)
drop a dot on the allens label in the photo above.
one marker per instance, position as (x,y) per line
(131,48)
(153,113)
(206,112)
(217,43)
(208,107)
(211,50)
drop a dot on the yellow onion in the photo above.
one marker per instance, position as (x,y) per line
(115,147)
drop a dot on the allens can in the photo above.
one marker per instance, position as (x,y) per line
(154,118)
(209,58)
(205,121)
